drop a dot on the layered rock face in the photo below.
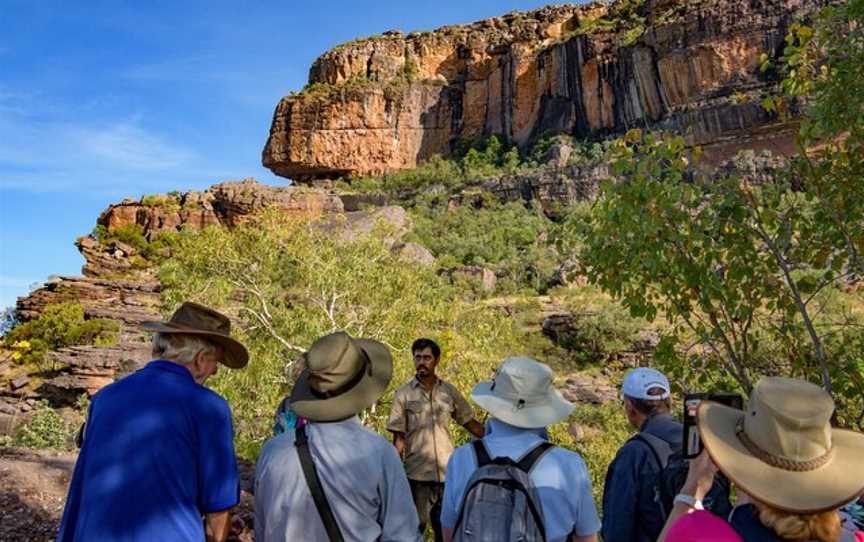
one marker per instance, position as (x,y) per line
(119,285)
(389,102)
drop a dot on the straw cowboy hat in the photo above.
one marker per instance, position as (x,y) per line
(782,450)
(521,394)
(343,376)
(194,319)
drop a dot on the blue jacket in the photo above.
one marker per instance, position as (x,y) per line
(630,513)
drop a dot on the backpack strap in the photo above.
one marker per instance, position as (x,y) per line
(481,453)
(533,456)
(315,487)
(660,449)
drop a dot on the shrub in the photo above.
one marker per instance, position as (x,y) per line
(509,238)
(59,325)
(602,326)
(45,429)
(286,281)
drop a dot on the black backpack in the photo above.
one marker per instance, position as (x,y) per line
(673,472)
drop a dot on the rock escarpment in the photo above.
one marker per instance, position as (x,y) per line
(119,283)
(387,103)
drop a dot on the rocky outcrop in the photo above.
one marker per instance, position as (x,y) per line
(389,102)
(223,204)
(119,283)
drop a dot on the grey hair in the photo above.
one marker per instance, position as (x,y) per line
(181,348)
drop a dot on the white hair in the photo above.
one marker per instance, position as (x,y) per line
(181,348)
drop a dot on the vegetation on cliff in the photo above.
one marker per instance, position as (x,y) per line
(752,277)
(59,325)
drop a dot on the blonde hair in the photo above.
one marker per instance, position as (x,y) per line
(822,526)
(181,348)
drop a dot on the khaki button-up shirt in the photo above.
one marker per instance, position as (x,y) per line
(424,418)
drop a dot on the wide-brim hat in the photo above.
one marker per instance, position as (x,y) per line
(521,394)
(782,450)
(194,319)
(343,376)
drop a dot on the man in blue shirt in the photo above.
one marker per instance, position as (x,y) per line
(157,460)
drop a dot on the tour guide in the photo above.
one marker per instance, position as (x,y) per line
(158,448)
(419,421)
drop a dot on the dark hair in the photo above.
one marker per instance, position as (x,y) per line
(650,407)
(422,344)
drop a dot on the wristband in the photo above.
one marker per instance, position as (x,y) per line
(689,500)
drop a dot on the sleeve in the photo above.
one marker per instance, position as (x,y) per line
(453,489)
(396,421)
(462,411)
(587,522)
(397,515)
(620,494)
(218,478)
(69,521)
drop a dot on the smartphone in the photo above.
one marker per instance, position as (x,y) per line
(692,442)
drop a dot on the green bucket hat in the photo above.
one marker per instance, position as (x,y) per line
(343,376)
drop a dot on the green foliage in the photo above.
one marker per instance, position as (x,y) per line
(170,202)
(59,325)
(606,429)
(45,429)
(152,251)
(507,238)
(602,326)
(735,269)
(475,160)
(286,281)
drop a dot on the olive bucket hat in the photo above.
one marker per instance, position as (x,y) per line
(343,376)
(194,319)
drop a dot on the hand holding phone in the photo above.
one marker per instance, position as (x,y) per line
(692,442)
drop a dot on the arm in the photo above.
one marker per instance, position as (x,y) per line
(396,423)
(448,534)
(589,538)
(620,494)
(700,477)
(475,428)
(399,442)
(218,476)
(218,525)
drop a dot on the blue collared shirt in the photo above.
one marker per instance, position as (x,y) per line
(158,453)
(561,478)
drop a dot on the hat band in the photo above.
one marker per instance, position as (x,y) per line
(781,462)
(350,384)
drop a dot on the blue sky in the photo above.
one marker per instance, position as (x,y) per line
(105,100)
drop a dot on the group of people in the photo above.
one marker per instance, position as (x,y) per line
(157,458)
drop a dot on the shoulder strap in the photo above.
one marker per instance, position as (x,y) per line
(315,487)
(532,457)
(660,449)
(480,452)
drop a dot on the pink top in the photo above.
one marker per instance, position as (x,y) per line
(701,526)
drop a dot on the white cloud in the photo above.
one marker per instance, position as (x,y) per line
(129,146)
(46,154)
(7,281)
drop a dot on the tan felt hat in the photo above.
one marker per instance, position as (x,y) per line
(194,319)
(783,450)
(344,375)
(522,395)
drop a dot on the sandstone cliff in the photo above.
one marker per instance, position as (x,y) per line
(388,102)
